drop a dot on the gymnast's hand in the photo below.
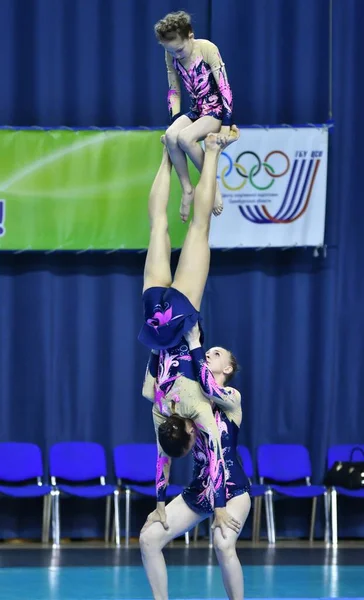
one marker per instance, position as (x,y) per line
(157,516)
(193,337)
(225,521)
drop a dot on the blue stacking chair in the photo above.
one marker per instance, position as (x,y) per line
(21,476)
(79,469)
(257,493)
(341,453)
(135,470)
(284,466)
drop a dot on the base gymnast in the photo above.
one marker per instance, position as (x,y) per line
(196,503)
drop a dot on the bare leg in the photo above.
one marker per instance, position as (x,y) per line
(194,262)
(157,270)
(180,519)
(188,140)
(179,160)
(225,549)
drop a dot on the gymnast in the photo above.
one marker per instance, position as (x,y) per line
(213,371)
(198,64)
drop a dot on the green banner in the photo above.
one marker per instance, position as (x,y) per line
(79,190)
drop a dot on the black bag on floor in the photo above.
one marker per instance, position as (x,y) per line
(347,474)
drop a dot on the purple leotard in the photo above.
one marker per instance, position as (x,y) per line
(181,377)
(206,83)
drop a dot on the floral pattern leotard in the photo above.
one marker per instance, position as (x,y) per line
(206,83)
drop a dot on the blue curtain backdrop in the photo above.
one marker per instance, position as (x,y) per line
(70,363)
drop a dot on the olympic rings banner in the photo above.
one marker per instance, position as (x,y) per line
(80,190)
(273,182)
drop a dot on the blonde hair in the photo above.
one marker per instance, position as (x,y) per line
(173,24)
(235,368)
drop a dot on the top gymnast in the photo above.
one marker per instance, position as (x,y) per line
(198,63)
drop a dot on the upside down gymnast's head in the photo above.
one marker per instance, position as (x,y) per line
(177,436)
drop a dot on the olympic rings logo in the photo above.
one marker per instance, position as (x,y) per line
(254,170)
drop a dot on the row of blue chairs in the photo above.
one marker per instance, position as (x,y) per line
(286,471)
(79,469)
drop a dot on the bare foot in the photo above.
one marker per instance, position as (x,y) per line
(187,199)
(212,142)
(218,204)
(217,142)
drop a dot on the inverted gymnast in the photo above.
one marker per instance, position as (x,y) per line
(196,502)
(171,309)
(198,63)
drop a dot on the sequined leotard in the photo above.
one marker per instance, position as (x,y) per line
(179,380)
(205,81)
(198,495)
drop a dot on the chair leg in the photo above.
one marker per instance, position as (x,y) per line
(254,524)
(46,519)
(334,516)
(327,517)
(107,519)
(313,519)
(127,516)
(211,536)
(259,519)
(56,519)
(268,500)
(117,518)
(195,533)
(113,529)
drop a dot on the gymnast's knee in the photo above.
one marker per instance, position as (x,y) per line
(158,223)
(225,547)
(200,224)
(150,540)
(171,137)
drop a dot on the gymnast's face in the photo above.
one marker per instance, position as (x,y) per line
(192,432)
(179,48)
(219,361)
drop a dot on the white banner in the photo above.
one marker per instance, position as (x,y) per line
(273,183)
